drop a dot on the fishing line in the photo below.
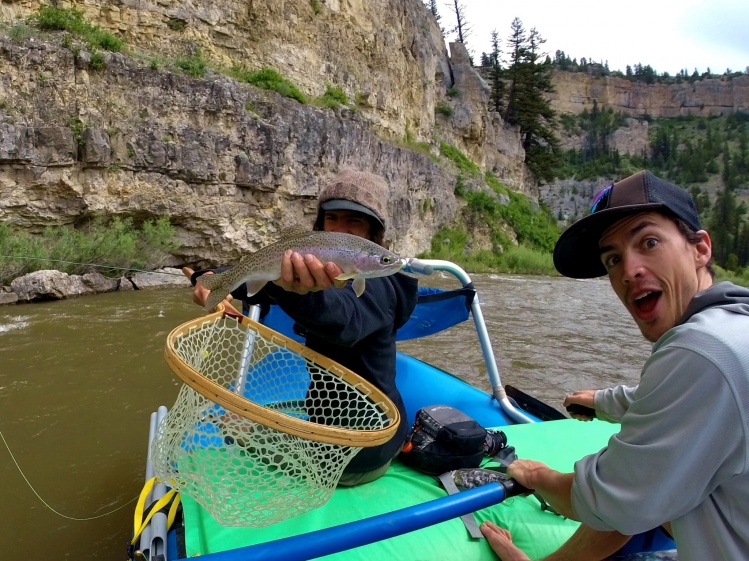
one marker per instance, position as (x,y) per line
(17,257)
(45,503)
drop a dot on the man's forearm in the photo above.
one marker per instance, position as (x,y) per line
(554,486)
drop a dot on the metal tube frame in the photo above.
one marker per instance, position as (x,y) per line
(498,391)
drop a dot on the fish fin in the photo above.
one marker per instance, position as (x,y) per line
(358,286)
(213,300)
(294,232)
(255,286)
(345,276)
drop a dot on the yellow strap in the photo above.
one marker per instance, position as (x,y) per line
(173,511)
(161,503)
(140,507)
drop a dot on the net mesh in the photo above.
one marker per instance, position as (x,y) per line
(263,427)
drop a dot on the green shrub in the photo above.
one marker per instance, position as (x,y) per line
(111,245)
(176,24)
(194,65)
(444,109)
(332,98)
(20,32)
(452,92)
(448,243)
(77,127)
(459,159)
(269,79)
(52,18)
(451,244)
(740,277)
(527,261)
(535,228)
(97,60)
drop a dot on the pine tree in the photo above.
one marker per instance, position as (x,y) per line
(742,245)
(497,85)
(432,5)
(527,106)
(516,43)
(462,27)
(724,225)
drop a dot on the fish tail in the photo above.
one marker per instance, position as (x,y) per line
(217,285)
(211,282)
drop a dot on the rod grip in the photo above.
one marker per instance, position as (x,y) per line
(513,488)
(582,410)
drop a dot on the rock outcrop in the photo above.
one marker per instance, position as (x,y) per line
(56,285)
(230,164)
(576,91)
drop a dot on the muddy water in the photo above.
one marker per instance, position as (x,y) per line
(79,379)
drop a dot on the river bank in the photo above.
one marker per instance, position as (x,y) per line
(51,284)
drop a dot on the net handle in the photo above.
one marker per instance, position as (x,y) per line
(249,410)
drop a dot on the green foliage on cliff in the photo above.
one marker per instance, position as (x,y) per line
(686,150)
(116,243)
(454,244)
(463,163)
(269,79)
(443,109)
(333,98)
(193,64)
(534,227)
(52,18)
(497,210)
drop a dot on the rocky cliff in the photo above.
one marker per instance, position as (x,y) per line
(231,164)
(576,91)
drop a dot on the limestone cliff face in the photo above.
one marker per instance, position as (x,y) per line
(155,143)
(231,164)
(714,96)
(577,92)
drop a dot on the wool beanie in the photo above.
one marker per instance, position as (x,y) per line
(356,190)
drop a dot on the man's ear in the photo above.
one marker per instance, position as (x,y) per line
(703,249)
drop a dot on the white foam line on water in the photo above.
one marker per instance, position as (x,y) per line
(17,322)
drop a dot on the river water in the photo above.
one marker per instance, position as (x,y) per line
(79,379)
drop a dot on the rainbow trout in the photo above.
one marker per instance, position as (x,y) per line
(358,258)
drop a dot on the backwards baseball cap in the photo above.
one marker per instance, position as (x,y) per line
(359,191)
(577,254)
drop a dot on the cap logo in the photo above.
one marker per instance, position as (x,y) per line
(601,200)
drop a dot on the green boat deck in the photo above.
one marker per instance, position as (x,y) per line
(556,443)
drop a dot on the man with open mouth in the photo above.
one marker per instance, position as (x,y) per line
(681,457)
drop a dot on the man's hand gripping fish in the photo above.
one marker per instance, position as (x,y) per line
(358,258)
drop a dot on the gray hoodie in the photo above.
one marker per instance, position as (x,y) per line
(682,454)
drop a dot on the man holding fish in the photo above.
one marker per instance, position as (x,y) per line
(307,273)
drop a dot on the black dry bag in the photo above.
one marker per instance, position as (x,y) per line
(444,438)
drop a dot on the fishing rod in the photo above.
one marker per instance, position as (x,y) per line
(132,269)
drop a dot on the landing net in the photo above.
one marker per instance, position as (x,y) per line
(263,427)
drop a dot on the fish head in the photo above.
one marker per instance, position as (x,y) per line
(374,262)
(384,264)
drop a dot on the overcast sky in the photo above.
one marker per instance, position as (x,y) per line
(665,34)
